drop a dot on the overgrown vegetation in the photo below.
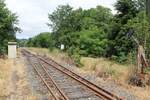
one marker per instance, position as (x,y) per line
(96,32)
(8,27)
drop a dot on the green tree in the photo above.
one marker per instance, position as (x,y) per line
(126,9)
(97,32)
(148,9)
(61,23)
(43,40)
(74,21)
(22,42)
(8,27)
(141,28)
(119,44)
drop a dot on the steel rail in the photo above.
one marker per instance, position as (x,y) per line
(97,90)
(46,84)
(57,87)
(99,93)
(50,90)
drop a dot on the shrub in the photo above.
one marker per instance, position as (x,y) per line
(76,58)
(121,58)
(74,53)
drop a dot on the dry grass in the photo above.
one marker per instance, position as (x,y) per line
(111,71)
(18,87)
(43,51)
(57,55)
(105,68)
(141,93)
(5,73)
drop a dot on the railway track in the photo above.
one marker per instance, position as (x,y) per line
(64,84)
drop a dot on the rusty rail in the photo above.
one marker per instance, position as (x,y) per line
(98,90)
(102,93)
(63,96)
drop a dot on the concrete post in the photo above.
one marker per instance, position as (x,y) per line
(12,52)
(62,47)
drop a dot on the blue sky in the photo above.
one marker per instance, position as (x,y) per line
(33,14)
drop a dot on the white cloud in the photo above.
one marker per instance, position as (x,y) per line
(33,14)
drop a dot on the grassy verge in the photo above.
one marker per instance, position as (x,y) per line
(106,69)
(57,55)
(5,73)
(13,80)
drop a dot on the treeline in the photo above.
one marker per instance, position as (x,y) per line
(8,28)
(97,32)
(43,40)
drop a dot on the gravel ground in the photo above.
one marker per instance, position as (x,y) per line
(109,86)
(24,83)
(36,85)
(18,86)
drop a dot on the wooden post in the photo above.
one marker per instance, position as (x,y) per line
(141,60)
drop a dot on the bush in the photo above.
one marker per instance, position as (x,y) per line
(76,58)
(121,58)
(74,53)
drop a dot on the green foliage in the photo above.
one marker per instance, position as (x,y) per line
(93,43)
(43,40)
(83,32)
(148,9)
(61,20)
(8,22)
(129,16)
(76,58)
(141,27)
(66,25)
(121,58)
(127,9)
(22,42)
(96,32)
(74,53)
